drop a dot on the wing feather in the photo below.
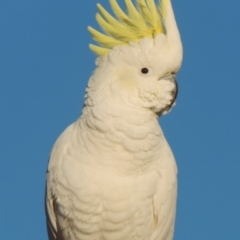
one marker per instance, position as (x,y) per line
(164,202)
(51,218)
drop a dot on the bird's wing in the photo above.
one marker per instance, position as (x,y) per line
(51,218)
(50,197)
(164,201)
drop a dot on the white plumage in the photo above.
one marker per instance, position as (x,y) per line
(112,175)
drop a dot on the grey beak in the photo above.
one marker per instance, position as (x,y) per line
(175,92)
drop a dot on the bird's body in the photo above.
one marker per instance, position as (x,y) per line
(112,174)
(104,195)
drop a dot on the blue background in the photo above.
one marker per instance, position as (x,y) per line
(45,64)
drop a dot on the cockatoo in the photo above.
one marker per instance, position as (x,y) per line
(112,174)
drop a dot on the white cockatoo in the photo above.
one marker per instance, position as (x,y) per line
(112,174)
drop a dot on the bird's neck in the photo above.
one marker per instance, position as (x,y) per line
(130,136)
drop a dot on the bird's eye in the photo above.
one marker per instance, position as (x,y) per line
(144,70)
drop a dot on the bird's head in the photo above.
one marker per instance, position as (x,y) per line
(140,53)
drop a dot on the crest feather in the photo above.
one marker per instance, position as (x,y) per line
(147,14)
(99,50)
(132,11)
(131,22)
(117,30)
(163,8)
(141,20)
(103,39)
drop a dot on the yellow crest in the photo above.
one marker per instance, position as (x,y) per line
(144,19)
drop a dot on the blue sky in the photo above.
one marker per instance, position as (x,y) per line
(45,64)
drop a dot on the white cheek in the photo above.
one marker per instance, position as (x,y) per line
(126,78)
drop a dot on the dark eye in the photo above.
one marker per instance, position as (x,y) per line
(144,70)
